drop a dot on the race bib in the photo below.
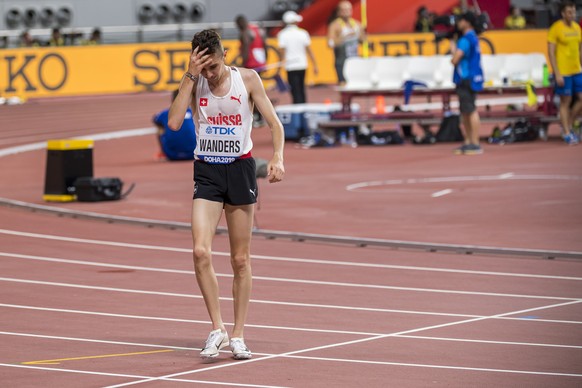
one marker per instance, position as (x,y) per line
(220,144)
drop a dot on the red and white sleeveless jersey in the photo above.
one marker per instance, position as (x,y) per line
(223,123)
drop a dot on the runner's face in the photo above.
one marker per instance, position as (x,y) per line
(214,69)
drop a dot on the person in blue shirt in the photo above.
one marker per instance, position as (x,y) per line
(180,144)
(468,78)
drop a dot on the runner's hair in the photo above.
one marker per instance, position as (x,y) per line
(208,39)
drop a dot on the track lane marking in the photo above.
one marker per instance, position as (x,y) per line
(299,281)
(86,372)
(127,316)
(450,179)
(294,260)
(309,358)
(432,327)
(96,137)
(57,361)
(441,193)
(396,311)
(428,338)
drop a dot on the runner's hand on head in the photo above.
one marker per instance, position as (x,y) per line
(198,60)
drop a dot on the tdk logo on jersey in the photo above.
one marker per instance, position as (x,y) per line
(228,131)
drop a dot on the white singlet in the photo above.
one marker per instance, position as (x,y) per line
(349,33)
(223,124)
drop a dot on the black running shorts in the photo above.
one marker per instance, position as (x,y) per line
(467,97)
(234,184)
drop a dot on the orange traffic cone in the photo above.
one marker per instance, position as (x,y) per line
(380,107)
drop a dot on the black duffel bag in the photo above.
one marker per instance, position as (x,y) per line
(89,189)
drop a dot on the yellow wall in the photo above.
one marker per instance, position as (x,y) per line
(40,72)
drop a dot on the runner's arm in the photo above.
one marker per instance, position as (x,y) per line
(187,86)
(180,104)
(257,93)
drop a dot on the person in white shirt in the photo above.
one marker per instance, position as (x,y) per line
(295,45)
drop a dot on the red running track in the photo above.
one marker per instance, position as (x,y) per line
(86,303)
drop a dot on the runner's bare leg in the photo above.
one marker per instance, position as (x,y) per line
(240,223)
(205,217)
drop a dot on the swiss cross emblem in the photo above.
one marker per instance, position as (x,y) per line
(204,102)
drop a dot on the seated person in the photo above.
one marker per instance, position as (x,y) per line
(180,144)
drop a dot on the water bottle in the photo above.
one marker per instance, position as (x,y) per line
(352,140)
(545,76)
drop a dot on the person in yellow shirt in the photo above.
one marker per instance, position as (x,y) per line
(94,39)
(564,38)
(56,38)
(515,20)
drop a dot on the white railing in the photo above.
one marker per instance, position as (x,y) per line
(138,30)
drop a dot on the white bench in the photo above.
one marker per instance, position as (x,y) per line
(386,76)
(390,73)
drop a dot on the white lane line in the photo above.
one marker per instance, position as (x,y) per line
(96,242)
(268,327)
(323,347)
(490,342)
(77,339)
(507,175)
(299,281)
(186,272)
(86,372)
(258,301)
(390,182)
(99,136)
(432,366)
(441,193)
(396,311)
(272,258)
(143,317)
(310,358)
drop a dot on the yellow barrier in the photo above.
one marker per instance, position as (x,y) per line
(69,71)
(66,160)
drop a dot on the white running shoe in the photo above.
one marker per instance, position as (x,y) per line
(217,339)
(239,349)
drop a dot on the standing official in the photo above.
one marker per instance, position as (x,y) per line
(295,46)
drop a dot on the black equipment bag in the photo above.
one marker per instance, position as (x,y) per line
(521,130)
(450,130)
(380,138)
(89,189)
